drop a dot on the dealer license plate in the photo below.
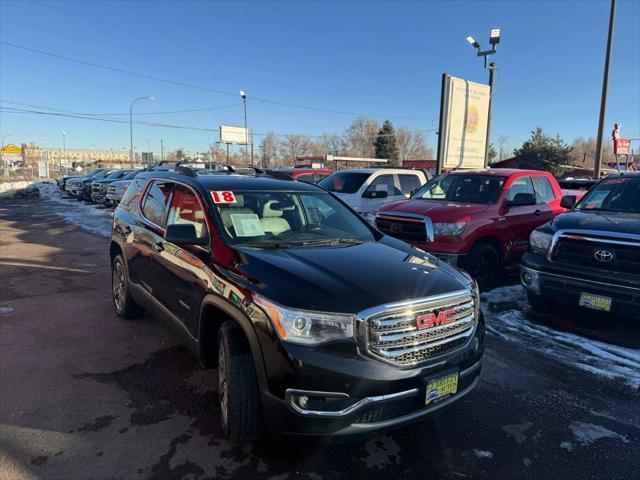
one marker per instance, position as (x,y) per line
(440,388)
(595,302)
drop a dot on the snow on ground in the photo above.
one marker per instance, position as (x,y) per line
(17,188)
(587,433)
(511,324)
(90,217)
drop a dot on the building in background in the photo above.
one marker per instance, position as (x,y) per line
(55,156)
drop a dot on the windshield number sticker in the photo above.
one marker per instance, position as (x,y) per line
(223,197)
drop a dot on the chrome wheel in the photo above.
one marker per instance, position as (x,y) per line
(119,286)
(223,386)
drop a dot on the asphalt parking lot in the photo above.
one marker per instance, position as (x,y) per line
(84,394)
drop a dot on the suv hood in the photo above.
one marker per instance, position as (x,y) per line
(435,209)
(601,221)
(349,278)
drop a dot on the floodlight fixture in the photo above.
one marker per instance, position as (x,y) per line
(494,36)
(473,42)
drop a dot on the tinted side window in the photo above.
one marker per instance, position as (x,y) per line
(155,202)
(386,180)
(543,188)
(520,185)
(408,183)
(185,209)
(132,193)
(307,178)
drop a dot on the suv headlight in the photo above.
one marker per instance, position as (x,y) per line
(539,241)
(304,327)
(451,229)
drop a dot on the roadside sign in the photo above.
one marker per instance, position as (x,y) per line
(235,135)
(621,146)
(463,124)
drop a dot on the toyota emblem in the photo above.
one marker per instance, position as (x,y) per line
(603,256)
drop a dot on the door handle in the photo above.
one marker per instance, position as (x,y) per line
(158,247)
(537,212)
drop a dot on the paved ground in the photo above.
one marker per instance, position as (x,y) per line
(84,394)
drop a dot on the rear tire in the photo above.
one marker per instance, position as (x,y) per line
(483,264)
(125,305)
(237,386)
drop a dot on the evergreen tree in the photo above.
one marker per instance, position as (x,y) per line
(542,152)
(386,144)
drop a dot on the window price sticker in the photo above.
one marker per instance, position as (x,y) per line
(223,197)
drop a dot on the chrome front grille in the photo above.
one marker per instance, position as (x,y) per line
(411,333)
(111,190)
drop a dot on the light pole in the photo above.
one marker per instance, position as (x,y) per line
(603,99)
(131,126)
(64,149)
(243,95)
(494,39)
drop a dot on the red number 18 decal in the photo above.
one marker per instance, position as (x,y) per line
(223,197)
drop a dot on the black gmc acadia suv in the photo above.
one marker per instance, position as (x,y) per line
(589,257)
(319,324)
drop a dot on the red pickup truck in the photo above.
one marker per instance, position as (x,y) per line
(476,220)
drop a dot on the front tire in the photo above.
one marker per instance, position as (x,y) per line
(125,305)
(483,264)
(237,386)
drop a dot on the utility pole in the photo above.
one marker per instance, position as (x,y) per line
(161,151)
(603,99)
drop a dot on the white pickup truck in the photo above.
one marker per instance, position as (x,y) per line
(367,189)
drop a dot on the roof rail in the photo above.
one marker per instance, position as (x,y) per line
(189,172)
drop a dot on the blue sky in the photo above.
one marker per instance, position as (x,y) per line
(372,58)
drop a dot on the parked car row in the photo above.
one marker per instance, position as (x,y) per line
(323,323)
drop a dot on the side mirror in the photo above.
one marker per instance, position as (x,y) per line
(568,201)
(184,233)
(521,199)
(375,194)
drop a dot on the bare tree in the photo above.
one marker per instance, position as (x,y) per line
(332,144)
(295,146)
(359,138)
(412,145)
(502,142)
(217,153)
(269,150)
(584,152)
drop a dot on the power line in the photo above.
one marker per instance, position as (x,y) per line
(205,109)
(160,125)
(199,87)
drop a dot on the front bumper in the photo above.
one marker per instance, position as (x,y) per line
(113,198)
(98,197)
(375,396)
(543,278)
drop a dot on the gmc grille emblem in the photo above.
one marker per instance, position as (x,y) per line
(431,320)
(603,256)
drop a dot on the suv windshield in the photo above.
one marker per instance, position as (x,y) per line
(117,174)
(619,194)
(270,219)
(344,182)
(483,189)
(131,175)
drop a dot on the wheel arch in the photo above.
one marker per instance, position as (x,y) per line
(213,313)
(492,241)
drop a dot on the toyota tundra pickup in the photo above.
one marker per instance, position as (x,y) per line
(590,256)
(477,220)
(318,323)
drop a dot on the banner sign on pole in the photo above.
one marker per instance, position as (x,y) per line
(621,146)
(235,135)
(463,126)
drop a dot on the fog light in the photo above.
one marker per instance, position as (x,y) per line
(531,280)
(303,401)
